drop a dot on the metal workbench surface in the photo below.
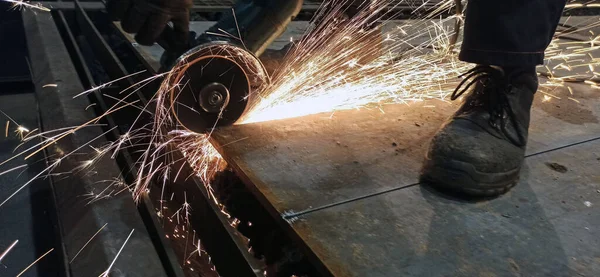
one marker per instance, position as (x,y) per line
(348,188)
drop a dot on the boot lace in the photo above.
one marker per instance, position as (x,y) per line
(497,89)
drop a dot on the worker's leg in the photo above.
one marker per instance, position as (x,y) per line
(480,150)
(509,32)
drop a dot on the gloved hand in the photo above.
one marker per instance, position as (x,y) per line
(148,18)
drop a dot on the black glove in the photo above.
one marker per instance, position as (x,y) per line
(148,18)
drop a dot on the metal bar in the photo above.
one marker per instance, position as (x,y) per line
(51,64)
(222,241)
(161,244)
(145,207)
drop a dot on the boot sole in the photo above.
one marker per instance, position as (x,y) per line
(463,177)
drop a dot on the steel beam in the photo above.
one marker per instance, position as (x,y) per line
(79,220)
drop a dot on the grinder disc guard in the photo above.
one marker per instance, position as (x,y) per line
(213,85)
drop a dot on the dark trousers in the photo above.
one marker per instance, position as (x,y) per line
(509,32)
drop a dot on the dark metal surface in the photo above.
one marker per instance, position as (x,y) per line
(51,64)
(548,225)
(124,160)
(16,77)
(299,166)
(29,216)
(303,163)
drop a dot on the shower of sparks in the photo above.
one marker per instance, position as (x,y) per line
(339,64)
(21,4)
(347,64)
(34,262)
(105,273)
(115,187)
(12,245)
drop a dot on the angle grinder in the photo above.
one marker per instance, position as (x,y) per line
(213,85)
(216,82)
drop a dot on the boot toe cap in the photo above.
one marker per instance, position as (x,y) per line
(466,142)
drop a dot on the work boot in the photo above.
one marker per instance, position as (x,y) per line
(479,151)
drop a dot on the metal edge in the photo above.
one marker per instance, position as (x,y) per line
(281,219)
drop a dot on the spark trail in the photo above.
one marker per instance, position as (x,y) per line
(10,247)
(105,273)
(34,262)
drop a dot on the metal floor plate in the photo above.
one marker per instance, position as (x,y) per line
(548,225)
(320,168)
(543,226)
(304,163)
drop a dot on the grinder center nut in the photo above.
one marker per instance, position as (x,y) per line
(213,98)
(213,85)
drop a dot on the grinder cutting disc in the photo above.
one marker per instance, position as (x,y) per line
(213,86)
